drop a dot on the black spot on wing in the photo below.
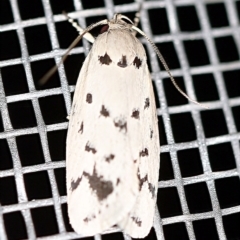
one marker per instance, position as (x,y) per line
(81,128)
(121,124)
(151,133)
(89,219)
(74,184)
(105,60)
(147,103)
(137,221)
(118,181)
(137,62)
(104,112)
(151,187)
(123,62)
(109,158)
(101,187)
(142,181)
(88,148)
(135,114)
(144,153)
(89,98)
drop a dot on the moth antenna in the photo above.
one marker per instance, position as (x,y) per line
(45,78)
(120,16)
(161,58)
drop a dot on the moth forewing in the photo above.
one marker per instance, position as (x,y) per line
(113,141)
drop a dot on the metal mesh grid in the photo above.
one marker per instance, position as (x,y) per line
(216,67)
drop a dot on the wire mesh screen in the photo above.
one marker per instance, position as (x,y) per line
(199,187)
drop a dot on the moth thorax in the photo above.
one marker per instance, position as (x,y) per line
(121,25)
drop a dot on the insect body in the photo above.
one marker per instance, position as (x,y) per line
(113,141)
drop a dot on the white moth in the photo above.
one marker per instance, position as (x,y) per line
(113,149)
(113,145)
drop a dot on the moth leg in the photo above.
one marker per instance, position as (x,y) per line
(137,17)
(88,36)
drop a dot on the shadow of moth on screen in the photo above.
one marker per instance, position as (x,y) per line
(113,148)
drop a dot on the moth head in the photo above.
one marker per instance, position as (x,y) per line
(119,18)
(118,22)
